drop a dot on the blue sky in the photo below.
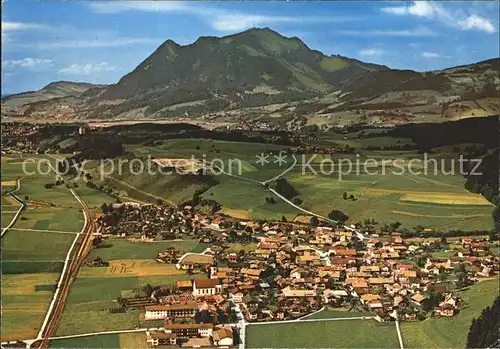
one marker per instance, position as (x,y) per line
(100,41)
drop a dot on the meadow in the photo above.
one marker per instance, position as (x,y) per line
(451,332)
(34,249)
(119,248)
(132,266)
(327,334)
(94,292)
(435,201)
(111,341)
(25,300)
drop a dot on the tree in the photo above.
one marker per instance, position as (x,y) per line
(483,332)
(285,188)
(314,221)
(104,208)
(337,215)
(233,235)
(148,290)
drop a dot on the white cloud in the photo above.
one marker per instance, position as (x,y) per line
(28,63)
(415,32)
(88,69)
(432,10)
(430,55)
(10,26)
(218,19)
(95,43)
(477,22)
(371,52)
(236,22)
(418,8)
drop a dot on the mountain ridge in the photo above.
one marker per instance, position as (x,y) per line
(246,76)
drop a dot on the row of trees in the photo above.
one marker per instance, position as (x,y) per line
(483,332)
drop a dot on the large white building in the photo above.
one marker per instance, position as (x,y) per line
(208,287)
(160,312)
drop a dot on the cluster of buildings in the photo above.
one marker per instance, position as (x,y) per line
(20,138)
(287,270)
(149,222)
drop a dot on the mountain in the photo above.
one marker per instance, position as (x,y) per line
(261,75)
(56,89)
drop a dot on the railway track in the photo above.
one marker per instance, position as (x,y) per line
(76,261)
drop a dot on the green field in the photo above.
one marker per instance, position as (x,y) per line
(23,267)
(380,197)
(31,259)
(103,341)
(119,248)
(451,332)
(32,246)
(327,334)
(333,314)
(436,201)
(134,340)
(87,305)
(51,218)
(25,300)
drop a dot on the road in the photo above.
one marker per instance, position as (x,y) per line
(241,325)
(265,184)
(73,262)
(21,202)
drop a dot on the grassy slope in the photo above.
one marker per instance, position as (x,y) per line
(451,332)
(379,196)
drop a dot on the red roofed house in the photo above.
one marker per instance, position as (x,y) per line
(208,287)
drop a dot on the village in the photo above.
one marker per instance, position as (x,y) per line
(258,271)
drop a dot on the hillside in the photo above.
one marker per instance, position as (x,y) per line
(260,75)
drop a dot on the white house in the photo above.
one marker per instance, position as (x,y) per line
(223,337)
(208,287)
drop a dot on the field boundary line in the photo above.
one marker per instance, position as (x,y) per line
(22,203)
(65,267)
(33,261)
(400,337)
(46,231)
(311,320)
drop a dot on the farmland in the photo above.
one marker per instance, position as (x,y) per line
(94,292)
(327,334)
(451,332)
(132,266)
(436,201)
(122,341)
(34,249)
(117,248)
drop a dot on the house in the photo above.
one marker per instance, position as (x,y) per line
(189,330)
(289,293)
(485,272)
(186,285)
(223,337)
(366,298)
(208,287)
(160,312)
(418,298)
(161,338)
(444,310)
